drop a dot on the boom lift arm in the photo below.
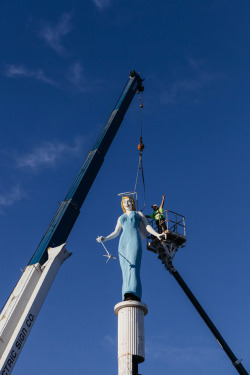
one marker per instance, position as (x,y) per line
(19,313)
(175,237)
(235,361)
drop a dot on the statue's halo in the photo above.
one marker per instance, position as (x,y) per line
(129,194)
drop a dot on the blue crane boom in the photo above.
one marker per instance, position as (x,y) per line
(22,307)
(66,215)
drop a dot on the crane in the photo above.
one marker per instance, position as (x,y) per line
(22,307)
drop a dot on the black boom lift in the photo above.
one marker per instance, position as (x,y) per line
(173,238)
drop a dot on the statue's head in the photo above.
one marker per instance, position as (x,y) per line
(128,204)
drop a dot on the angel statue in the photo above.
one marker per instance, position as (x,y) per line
(133,224)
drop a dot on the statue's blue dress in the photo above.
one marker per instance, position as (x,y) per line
(130,253)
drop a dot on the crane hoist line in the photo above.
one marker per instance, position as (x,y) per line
(141,147)
(21,309)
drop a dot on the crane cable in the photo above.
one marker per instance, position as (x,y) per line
(140,148)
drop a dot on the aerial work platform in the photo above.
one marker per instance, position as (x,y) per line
(173,236)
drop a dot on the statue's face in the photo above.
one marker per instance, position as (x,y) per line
(127,203)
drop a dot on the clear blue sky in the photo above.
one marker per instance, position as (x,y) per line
(63,66)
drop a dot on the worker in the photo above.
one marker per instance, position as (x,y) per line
(158,216)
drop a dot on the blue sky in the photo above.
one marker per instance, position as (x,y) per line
(63,66)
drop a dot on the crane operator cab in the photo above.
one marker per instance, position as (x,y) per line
(172,238)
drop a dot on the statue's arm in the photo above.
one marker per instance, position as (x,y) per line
(111,235)
(148,227)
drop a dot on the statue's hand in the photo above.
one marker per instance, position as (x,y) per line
(100,239)
(161,237)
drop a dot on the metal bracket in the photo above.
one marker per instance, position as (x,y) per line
(237,362)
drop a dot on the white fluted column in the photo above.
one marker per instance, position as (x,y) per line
(131,337)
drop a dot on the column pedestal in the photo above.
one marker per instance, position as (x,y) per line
(131,341)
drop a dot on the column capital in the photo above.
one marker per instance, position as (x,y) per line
(131,303)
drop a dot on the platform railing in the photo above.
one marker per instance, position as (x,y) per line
(174,222)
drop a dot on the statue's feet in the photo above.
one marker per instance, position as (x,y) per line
(131,297)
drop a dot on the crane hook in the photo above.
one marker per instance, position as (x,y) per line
(140,145)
